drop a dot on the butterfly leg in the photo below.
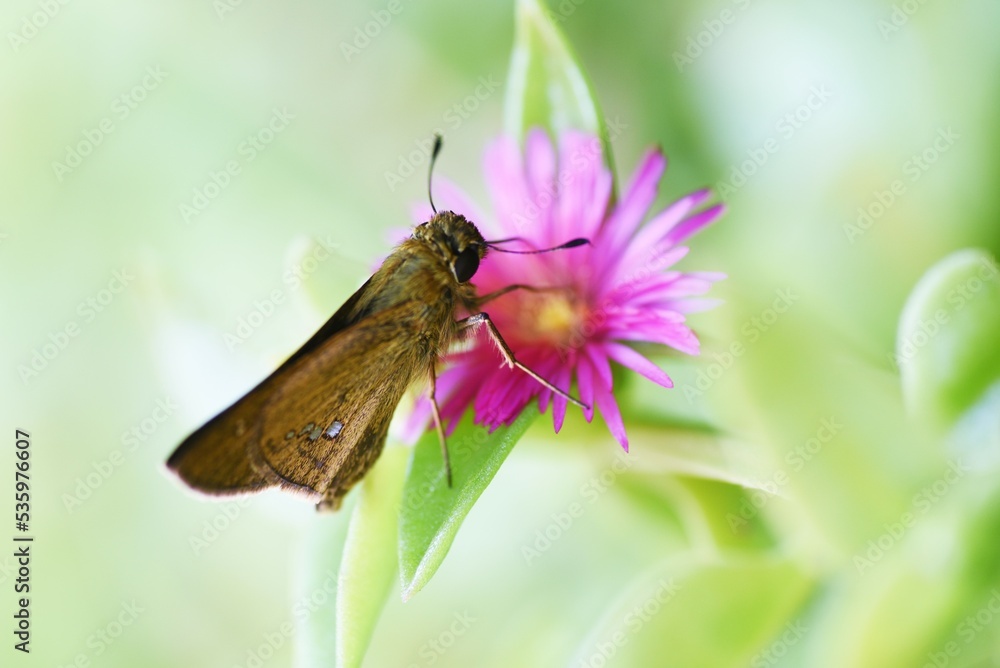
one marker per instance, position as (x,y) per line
(436,412)
(480,319)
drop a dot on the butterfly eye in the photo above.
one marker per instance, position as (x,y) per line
(466,264)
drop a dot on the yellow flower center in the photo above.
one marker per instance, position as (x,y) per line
(554,317)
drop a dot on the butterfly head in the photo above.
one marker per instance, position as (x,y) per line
(456,241)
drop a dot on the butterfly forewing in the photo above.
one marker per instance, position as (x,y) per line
(214,460)
(325,425)
(217,458)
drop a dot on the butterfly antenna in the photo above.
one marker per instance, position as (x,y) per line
(569,244)
(430,170)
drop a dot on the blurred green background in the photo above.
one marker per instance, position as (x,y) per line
(189,189)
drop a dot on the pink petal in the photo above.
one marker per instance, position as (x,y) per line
(599,361)
(678,337)
(643,313)
(641,264)
(585,383)
(559,403)
(584,187)
(504,174)
(635,204)
(633,360)
(612,416)
(494,396)
(418,420)
(664,221)
(691,305)
(540,168)
(693,224)
(545,367)
(675,287)
(544,397)
(597,205)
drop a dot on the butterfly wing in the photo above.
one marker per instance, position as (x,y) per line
(214,459)
(326,423)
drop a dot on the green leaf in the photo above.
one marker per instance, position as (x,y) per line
(947,342)
(317,588)
(919,584)
(368,565)
(546,86)
(432,512)
(698,614)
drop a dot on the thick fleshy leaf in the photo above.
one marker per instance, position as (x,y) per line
(431,512)
(316,588)
(698,614)
(943,547)
(368,565)
(546,86)
(946,347)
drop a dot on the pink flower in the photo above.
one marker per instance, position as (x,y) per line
(617,290)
